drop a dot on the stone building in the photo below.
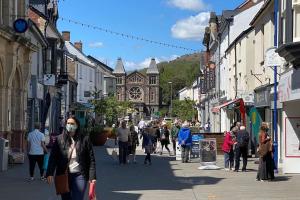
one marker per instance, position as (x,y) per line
(15,64)
(142,90)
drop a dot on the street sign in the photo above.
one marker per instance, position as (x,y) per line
(49,79)
(20,25)
(272,58)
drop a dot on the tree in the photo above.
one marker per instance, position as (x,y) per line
(184,109)
(110,108)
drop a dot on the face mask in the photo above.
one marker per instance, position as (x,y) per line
(267,129)
(71,127)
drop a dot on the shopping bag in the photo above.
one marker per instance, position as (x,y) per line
(114,154)
(46,160)
(92,191)
(158,147)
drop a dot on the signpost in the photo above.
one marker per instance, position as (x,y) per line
(20,25)
(208,154)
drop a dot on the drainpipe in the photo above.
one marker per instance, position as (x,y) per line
(275,136)
(235,70)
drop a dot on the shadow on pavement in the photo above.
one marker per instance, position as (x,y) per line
(130,181)
(281,178)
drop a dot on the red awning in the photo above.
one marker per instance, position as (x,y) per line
(241,106)
(218,108)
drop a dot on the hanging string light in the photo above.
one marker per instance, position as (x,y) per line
(124,35)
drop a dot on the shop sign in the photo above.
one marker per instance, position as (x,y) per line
(272,58)
(289,86)
(262,98)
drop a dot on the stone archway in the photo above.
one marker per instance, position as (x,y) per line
(16,101)
(1,73)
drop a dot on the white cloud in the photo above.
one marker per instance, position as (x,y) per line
(191,28)
(195,5)
(96,45)
(132,66)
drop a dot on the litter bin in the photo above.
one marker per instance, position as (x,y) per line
(4,150)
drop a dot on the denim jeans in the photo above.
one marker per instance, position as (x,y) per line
(77,184)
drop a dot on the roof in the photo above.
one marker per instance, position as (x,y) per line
(98,62)
(119,67)
(258,14)
(71,49)
(152,67)
(239,37)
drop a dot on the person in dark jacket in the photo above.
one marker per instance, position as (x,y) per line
(185,141)
(148,143)
(242,141)
(165,138)
(73,152)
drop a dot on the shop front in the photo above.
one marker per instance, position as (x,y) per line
(289,95)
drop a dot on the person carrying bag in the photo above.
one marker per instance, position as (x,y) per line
(73,163)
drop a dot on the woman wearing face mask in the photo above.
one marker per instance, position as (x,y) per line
(73,153)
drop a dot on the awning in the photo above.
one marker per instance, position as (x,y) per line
(241,108)
(218,108)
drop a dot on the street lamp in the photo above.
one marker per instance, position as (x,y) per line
(171,105)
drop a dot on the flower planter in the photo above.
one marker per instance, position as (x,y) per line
(99,139)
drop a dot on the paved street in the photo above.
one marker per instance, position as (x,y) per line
(165,179)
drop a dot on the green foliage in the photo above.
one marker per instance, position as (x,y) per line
(182,72)
(185,109)
(110,108)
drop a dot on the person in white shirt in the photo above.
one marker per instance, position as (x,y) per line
(141,125)
(36,148)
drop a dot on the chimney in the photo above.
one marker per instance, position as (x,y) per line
(66,35)
(78,45)
(213,23)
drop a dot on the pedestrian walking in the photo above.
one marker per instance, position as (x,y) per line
(185,141)
(36,148)
(133,143)
(122,137)
(147,144)
(165,138)
(241,149)
(265,150)
(73,163)
(174,135)
(227,148)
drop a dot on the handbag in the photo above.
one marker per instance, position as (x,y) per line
(61,182)
(114,154)
(264,149)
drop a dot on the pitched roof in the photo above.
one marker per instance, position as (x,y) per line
(152,67)
(259,13)
(119,69)
(71,49)
(96,61)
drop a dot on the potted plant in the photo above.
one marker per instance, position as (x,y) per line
(98,135)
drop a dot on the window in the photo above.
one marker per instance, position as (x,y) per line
(296,24)
(135,93)
(119,80)
(152,80)
(80,71)
(91,75)
(118,96)
(152,96)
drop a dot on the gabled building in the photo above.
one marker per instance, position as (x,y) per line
(107,78)
(142,90)
(81,69)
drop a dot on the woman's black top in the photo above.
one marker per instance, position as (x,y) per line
(58,160)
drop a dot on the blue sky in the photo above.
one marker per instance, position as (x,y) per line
(177,22)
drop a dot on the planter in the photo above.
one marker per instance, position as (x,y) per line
(111,134)
(99,139)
